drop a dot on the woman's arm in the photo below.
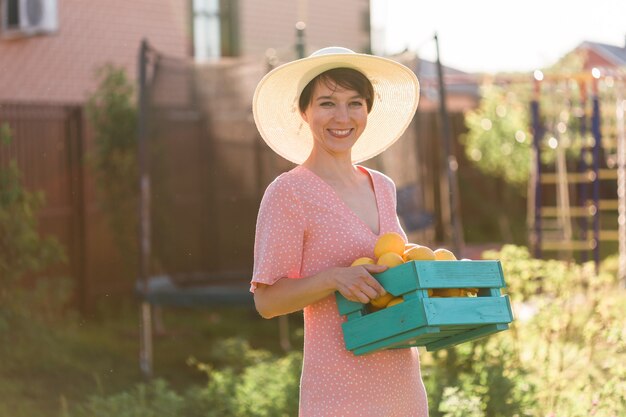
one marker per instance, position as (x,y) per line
(288,295)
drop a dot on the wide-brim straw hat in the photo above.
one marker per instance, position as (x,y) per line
(278,119)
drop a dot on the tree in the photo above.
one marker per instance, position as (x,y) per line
(112,111)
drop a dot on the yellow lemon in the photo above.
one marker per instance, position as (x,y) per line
(382,301)
(419,253)
(442,254)
(409,246)
(390,259)
(363,261)
(471,292)
(389,242)
(393,302)
(448,292)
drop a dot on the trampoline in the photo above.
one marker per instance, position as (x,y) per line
(202,173)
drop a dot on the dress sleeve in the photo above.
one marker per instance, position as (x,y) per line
(279,237)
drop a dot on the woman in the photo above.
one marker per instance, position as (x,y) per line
(326,113)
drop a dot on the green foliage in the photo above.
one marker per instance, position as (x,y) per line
(155,399)
(22,249)
(563,354)
(456,403)
(259,386)
(262,387)
(113,114)
(498,139)
(479,370)
(27,309)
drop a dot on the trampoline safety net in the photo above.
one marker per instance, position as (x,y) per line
(207,168)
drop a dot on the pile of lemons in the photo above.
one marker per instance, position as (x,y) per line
(392,250)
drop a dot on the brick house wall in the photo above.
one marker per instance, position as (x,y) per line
(59,68)
(271,24)
(595,60)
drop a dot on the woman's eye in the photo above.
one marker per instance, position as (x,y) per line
(356,103)
(327,104)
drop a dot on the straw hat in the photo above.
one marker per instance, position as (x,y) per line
(278,119)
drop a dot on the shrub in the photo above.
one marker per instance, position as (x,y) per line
(113,114)
(264,386)
(563,354)
(22,249)
(154,399)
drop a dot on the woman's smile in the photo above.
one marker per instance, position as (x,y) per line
(340,133)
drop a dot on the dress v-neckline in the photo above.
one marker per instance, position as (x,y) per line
(346,206)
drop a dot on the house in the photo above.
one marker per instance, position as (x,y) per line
(226,28)
(48,61)
(49,54)
(601,55)
(58,66)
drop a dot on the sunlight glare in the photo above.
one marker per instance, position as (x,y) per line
(553,143)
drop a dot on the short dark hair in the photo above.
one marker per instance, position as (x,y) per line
(347,78)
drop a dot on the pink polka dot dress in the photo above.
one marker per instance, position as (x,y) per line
(303,228)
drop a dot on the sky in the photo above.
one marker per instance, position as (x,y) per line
(495,35)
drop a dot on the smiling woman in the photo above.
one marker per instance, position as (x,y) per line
(326,113)
(335,107)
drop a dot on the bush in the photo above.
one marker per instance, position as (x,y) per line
(263,387)
(259,386)
(22,249)
(563,354)
(154,399)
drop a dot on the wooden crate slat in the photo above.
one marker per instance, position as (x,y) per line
(384,324)
(395,341)
(466,336)
(467,311)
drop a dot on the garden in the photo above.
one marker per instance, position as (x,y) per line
(563,355)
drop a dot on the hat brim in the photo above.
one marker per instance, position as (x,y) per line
(278,119)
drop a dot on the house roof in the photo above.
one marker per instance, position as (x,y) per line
(612,53)
(457,82)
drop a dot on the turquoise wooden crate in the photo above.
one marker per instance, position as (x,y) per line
(431,322)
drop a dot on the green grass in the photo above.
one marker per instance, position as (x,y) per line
(67,360)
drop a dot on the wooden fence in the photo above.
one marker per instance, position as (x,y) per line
(215,170)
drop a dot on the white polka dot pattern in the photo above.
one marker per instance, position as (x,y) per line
(303,228)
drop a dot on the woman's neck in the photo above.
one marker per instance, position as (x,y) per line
(334,170)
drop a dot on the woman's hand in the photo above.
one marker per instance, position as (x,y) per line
(356,283)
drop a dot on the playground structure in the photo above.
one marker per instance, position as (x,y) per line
(577,195)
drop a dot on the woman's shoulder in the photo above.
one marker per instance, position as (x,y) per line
(287,183)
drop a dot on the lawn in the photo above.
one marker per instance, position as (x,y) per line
(60,362)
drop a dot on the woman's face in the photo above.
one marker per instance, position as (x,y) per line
(336,117)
